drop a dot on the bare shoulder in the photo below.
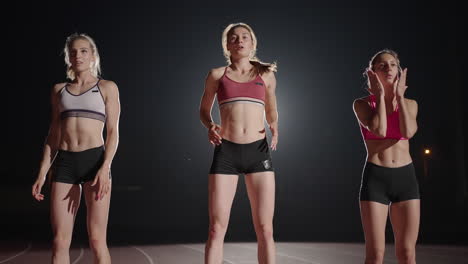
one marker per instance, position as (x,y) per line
(269,79)
(216,73)
(108,88)
(269,76)
(361,103)
(361,100)
(58,86)
(412,105)
(411,102)
(108,85)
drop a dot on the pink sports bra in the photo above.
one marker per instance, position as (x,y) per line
(393,125)
(230,91)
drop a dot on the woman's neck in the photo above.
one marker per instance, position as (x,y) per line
(84,77)
(242,65)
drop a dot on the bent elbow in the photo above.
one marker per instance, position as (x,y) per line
(380,132)
(410,134)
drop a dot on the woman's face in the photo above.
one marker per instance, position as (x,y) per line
(386,67)
(81,55)
(239,43)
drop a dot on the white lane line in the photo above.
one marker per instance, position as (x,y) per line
(150,260)
(19,254)
(280,254)
(80,256)
(203,252)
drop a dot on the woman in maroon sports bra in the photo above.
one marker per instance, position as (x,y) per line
(388,120)
(245,90)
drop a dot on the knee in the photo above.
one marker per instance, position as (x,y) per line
(264,232)
(375,256)
(97,243)
(217,231)
(406,254)
(61,242)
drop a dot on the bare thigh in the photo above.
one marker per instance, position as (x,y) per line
(374,219)
(405,222)
(97,211)
(221,192)
(64,204)
(261,191)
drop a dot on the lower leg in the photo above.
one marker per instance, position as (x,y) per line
(214,244)
(100,250)
(61,250)
(266,244)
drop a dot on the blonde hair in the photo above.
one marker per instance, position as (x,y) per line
(95,66)
(260,67)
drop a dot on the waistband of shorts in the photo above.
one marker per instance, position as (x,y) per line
(257,142)
(100,148)
(370,164)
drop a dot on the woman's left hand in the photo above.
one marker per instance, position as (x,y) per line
(103,182)
(400,84)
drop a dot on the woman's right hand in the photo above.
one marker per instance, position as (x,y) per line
(213,134)
(37,187)
(376,88)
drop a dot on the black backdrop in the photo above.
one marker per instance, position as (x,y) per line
(159,55)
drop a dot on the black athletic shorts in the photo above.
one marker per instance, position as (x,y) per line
(77,167)
(233,158)
(386,185)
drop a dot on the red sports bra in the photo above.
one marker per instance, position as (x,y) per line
(230,91)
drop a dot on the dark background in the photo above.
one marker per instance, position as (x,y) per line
(159,55)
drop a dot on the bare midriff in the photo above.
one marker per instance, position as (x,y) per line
(390,153)
(242,122)
(79,134)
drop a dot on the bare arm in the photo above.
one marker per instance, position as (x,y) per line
(207,101)
(408,109)
(271,111)
(51,143)
(53,138)
(112,121)
(373,120)
(111,98)
(206,104)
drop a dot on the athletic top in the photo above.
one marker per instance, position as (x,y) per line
(393,125)
(230,91)
(89,104)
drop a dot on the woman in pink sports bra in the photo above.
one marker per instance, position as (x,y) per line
(75,152)
(389,186)
(245,90)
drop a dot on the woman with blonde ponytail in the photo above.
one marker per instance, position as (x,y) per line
(245,90)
